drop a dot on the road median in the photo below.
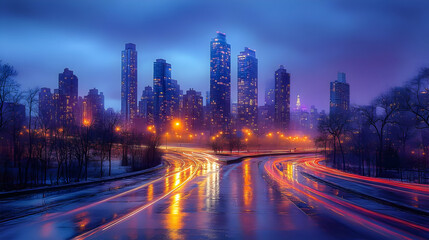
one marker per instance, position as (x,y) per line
(237,159)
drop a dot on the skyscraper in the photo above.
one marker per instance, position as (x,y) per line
(193,110)
(172,100)
(93,107)
(165,91)
(46,107)
(220,84)
(129,83)
(269,96)
(247,86)
(282,99)
(146,105)
(339,96)
(68,98)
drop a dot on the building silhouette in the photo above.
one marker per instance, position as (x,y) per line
(247,86)
(146,105)
(173,98)
(166,92)
(161,76)
(93,107)
(68,111)
(339,96)
(220,84)
(46,107)
(129,83)
(193,110)
(282,99)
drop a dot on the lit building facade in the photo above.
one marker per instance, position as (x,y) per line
(193,110)
(93,107)
(68,98)
(129,83)
(282,99)
(269,96)
(220,84)
(247,86)
(166,92)
(46,107)
(173,94)
(146,105)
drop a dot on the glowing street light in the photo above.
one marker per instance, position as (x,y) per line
(86,123)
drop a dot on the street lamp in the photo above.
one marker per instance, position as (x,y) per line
(117,129)
(86,122)
(177,126)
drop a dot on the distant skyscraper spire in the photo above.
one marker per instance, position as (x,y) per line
(129,83)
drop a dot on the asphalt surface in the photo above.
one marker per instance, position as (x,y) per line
(195,197)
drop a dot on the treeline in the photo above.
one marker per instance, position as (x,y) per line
(36,152)
(388,138)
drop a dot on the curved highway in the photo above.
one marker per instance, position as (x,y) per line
(195,197)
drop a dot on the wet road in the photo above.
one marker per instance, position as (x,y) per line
(195,197)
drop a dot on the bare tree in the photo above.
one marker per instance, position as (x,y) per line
(417,97)
(379,116)
(31,101)
(110,129)
(335,126)
(9,91)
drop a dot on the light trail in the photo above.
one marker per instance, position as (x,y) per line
(120,194)
(318,196)
(126,192)
(310,165)
(422,188)
(134,212)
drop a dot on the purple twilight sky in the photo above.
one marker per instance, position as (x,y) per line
(379,44)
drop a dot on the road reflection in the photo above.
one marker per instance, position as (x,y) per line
(247,187)
(212,184)
(174,218)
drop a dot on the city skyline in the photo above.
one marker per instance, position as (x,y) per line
(214,119)
(342,42)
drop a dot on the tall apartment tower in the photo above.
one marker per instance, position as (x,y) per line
(161,82)
(46,107)
(129,83)
(68,98)
(146,105)
(220,84)
(282,99)
(247,86)
(193,110)
(93,107)
(339,96)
